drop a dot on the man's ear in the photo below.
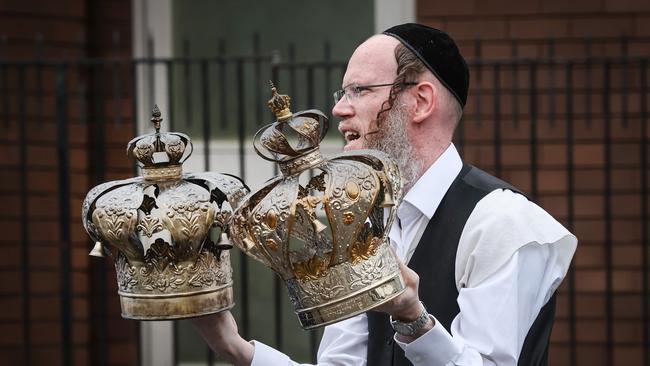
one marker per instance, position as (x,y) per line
(425,101)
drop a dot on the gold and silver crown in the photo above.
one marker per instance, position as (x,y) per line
(323,224)
(159,228)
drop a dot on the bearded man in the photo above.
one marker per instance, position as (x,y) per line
(480,261)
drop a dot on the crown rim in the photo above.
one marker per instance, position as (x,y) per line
(162,174)
(317,316)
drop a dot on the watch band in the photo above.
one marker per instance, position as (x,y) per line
(411,328)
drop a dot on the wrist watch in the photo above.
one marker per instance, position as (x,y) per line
(410,329)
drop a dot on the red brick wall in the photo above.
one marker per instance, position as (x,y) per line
(608,273)
(532,22)
(56,31)
(60,24)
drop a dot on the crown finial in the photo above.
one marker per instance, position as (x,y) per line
(160,154)
(279,104)
(156,118)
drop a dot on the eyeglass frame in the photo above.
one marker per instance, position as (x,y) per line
(339,94)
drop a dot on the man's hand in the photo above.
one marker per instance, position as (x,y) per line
(407,306)
(220,333)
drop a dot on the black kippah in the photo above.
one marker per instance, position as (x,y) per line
(439,53)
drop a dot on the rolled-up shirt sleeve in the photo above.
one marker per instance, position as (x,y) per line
(266,356)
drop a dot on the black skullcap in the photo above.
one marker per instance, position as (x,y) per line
(439,53)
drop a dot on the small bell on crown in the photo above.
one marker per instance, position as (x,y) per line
(318,226)
(223,239)
(388,200)
(98,250)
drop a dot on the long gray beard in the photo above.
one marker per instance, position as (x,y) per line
(391,138)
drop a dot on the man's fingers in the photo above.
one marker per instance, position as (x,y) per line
(411,278)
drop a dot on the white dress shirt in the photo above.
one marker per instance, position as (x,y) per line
(511,257)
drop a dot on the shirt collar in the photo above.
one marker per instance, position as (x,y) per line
(428,191)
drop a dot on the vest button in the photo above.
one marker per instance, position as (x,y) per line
(389,341)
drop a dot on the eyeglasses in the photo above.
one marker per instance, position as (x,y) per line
(353,92)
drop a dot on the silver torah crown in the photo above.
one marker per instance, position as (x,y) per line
(158,226)
(328,238)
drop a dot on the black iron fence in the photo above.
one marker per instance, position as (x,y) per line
(570,131)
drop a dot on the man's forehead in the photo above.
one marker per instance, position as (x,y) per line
(373,59)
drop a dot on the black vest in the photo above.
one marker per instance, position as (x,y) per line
(434,261)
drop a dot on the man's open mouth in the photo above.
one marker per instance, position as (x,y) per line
(351,136)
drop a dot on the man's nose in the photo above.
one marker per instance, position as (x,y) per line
(342,109)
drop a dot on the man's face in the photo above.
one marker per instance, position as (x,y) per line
(373,62)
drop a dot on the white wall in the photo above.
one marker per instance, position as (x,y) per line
(392,12)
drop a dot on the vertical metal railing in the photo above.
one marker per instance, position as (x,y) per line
(478,76)
(187,78)
(241,148)
(532,80)
(607,204)
(570,173)
(551,86)
(257,78)
(169,75)
(205,94)
(645,214)
(24,219)
(496,106)
(588,80)
(515,82)
(98,268)
(4,81)
(223,85)
(117,81)
(64,213)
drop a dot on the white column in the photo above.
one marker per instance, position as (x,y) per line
(152,37)
(392,12)
(157,343)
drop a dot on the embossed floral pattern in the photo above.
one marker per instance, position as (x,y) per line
(149,225)
(369,272)
(160,274)
(321,291)
(126,278)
